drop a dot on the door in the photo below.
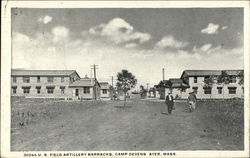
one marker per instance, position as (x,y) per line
(77,92)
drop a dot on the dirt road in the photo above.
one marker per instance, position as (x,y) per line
(108,126)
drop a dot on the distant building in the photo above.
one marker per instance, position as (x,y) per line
(105,90)
(194,81)
(152,92)
(65,84)
(174,85)
(42,83)
(85,89)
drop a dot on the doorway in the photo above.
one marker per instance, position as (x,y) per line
(77,92)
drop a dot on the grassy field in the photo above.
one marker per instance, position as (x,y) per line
(40,124)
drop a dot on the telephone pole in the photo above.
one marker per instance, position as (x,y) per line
(163,74)
(112,80)
(95,90)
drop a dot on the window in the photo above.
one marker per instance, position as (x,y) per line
(26,79)
(195,89)
(86,90)
(219,90)
(26,90)
(232,90)
(38,89)
(38,79)
(104,91)
(62,89)
(14,79)
(206,77)
(232,79)
(77,92)
(14,90)
(50,79)
(62,79)
(50,90)
(207,90)
(195,79)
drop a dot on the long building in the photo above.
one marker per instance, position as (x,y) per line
(65,84)
(194,81)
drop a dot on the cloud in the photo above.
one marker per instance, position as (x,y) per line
(211,29)
(171,42)
(119,31)
(40,51)
(20,43)
(207,48)
(224,27)
(130,45)
(60,34)
(45,19)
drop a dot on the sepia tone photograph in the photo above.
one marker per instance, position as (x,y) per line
(127,79)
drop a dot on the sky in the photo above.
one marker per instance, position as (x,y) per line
(141,40)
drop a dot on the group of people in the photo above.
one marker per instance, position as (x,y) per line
(191,102)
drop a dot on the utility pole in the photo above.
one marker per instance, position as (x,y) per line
(112,80)
(112,90)
(95,90)
(163,75)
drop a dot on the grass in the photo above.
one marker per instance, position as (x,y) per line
(41,124)
(28,111)
(223,119)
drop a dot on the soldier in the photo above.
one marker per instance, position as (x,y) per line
(169,102)
(191,101)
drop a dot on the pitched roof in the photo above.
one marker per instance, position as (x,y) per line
(233,72)
(104,85)
(83,82)
(176,80)
(163,83)
(173,83)
(177,83)
(202,72)
(20,72)
(180,85)
(208,72)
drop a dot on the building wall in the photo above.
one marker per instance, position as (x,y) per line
(158,94)
(43,83)
(214,94)
(107,95)
(214,91)
(82,95)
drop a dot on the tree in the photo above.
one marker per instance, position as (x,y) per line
(241,77)
(241,81)
(143,92)
(125,81)
(209,81)
(223,79)
(111,92)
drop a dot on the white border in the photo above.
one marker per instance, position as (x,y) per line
(6,61)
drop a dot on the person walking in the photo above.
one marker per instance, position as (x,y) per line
(169,102)
(191,101)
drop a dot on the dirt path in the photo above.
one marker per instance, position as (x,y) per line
(139,126)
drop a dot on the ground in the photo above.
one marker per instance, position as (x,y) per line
(49,125)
